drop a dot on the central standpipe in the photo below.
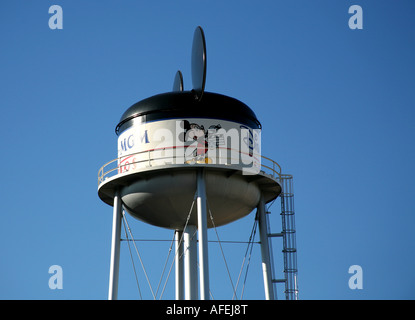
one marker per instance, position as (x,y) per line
(190,251)
(190,262)
(203,242)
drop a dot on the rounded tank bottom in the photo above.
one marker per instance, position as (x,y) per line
(165,199)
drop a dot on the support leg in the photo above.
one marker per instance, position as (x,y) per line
(115,248)
(179,266)
(266,262)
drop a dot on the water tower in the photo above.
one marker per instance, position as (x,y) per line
(181,146)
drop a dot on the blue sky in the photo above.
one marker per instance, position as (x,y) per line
(336,106)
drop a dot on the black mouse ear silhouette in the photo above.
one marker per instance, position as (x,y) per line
(178,82)
(198,63)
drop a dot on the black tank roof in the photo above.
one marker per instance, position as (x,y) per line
(176,105)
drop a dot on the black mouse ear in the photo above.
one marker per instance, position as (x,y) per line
(184,124)
(199,63)
(178,82)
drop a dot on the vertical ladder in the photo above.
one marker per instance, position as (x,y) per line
(288,237)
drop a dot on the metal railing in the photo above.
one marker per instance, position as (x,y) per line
(156,158)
